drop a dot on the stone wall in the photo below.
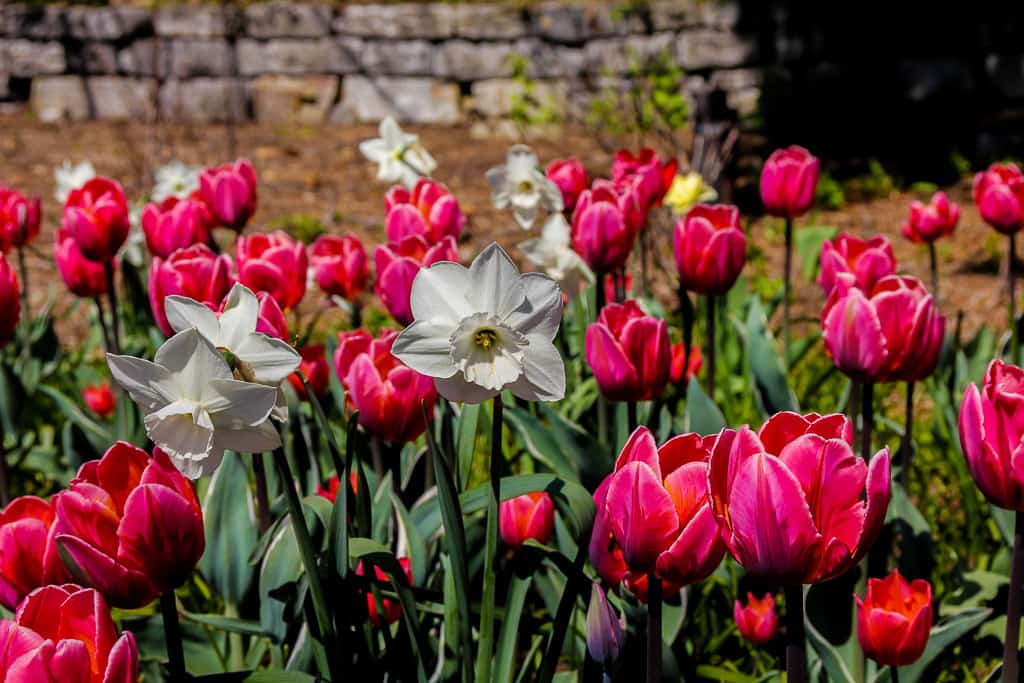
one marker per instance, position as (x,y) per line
(423,63)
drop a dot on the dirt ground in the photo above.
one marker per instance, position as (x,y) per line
(319,172)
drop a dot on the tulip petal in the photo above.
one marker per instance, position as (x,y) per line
(613,370)
(121,586)
(123,662)
(643,517)
(696,553)
(160,535)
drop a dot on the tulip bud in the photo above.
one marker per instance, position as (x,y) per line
(273,263)
(758,620)
(679,374)
(10,303)
(392,610)
(710,249)
(430,211)
(397,265)
(867,260)
(19,219)
(195,272)
(894,619)
(531,515)
(929,222)
(314,367)
(605,629)
(570,177)
(230,193)
(96,216)
(999,196)
(83,277)
(788,182)
(28,552)
(340,265)
(99,399)
(175,224)
(628,352)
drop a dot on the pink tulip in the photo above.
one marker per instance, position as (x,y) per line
(650,176)
(892,333)
(19,219)
(273,263)
(758,620)
(991,431)
(230,193)
(195,272)
(895,619)
(788,182)
(531,515)
(605,225)
(340,265)
(868,260)
(797,508)
(999,196)
(570,177)
(64,634)
(175,224)
(130,525)
(710,249)
(386,393)
(431,211)
(629,353)
(10,301)
(96,216)
(83,277)
(398,263)
(929,222)
(28,551)
(654,515)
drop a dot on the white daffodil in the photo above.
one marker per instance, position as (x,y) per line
(521,184)
(399,155)
(70,177)
(553,254)
(688,190)
(175,179)
(485,328)
(193,408)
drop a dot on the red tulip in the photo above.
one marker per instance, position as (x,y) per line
(330,491)
(531,515)
(710,249)
(892,333)
(867,260)
(758,620)
(651,176)
(96,216)
(175,224)
(788,181)
(83,277)
(64,634)
(894,619)
(273,263)
(19,219)
(654,516)
(340,265)
(570,177)
(794,503)
(398,263)
(230,193)
(999,196)
(99,399)
(431,211)
(130,525)
(195,272)
(314,367)
(680,375)
(629,353)
(392,610)
(28,552)
(604,227)
(929,222)
(10,302)
(386,393)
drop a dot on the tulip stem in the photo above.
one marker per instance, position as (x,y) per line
(907,448)
(602,402)
(867,414)
(934,267)
(115,334)
(172,634)
(796,655)
(103,325)
(1013,603)
(687,314)
(262,495)
(787,268)
(485,651)
(653,629)
(709,347)
(894,674)
(1011,280)
(631,415)
(26,313)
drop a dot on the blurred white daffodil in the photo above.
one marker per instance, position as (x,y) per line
(399,156)
(552,253)
(175,179)
(70,177)
(485,328)
(688,190)
(193,408)
(521,184)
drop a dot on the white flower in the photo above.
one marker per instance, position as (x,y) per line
(175,179)
(193,408)
(399,155)
(70,177)
(552,253)
(522,185)
(485,328)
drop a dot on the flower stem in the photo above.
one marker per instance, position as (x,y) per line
(103,325)
(1011,284)
(172,634)
(26,313)
(653,629)
(709,348)
(796,655)
(1013,603)
(262,495)
(602,402)
(485,646)
(115,334)
(867,412)
(907,447)
(787,268)
(631,418)
(894,674)
(934,269)
(687,316)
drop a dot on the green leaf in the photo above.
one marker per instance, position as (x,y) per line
(766,367)
(98,435)
(465,439)
(514,601)
(943,635)
(230,520)
(281,565)
(540,442)
(280,677)
(702,415)
(830,658)
(246,627)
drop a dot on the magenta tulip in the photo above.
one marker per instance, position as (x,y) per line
(340,265)
(28,551)
(96,216)
(273,263)
(529,516)
(710,249)
(757,620)
(431,210)
(19,219)
(646,172)
(10,302)
(230,193)
(175,224)
(605,225)
(570,177)
(788,182)
(195,272)
(797,508)
(999,196)
(867,260)
(629,353)
(928,222)
(83,277)
(397,265)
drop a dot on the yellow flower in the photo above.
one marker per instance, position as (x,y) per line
(687,190)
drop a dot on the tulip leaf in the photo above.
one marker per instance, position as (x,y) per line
(702,415)
(246,627)
(281,565)
(98,435)
(943,634)
(830,658)
(540,442)
(416,547)
(465,440)
(767,370)
(280,677)
(514,601)
(230,521)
